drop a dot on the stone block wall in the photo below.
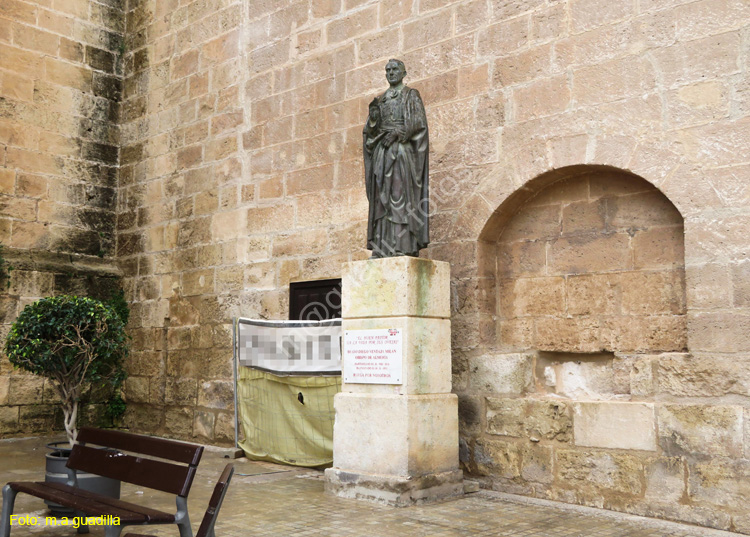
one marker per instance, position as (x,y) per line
(183,212)
(631,444)
(59,86)
(592,263)
(60,83)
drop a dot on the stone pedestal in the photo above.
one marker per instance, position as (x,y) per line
(398,443)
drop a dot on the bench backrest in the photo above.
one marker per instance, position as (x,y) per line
(206,528)
(134,468)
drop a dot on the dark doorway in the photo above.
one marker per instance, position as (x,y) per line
(315,301)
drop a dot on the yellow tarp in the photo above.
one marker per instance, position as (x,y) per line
(287,419)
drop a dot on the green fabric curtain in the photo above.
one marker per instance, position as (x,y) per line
(287,420)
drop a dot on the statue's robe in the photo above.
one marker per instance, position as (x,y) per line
(397,177)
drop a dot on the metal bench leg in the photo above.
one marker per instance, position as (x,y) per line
(9,499)
(185,529)
(113,531)
(82,527)
(181,518)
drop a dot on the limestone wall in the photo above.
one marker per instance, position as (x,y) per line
(60,79)
(185,189)
(586,393)
(59,86)
(590,263)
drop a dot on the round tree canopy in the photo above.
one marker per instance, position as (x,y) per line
(69,336)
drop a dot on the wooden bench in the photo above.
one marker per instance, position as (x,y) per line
(206,528)
(131,458)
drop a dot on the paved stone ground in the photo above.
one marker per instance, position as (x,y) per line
(270,500)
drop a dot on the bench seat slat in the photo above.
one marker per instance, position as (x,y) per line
(151,514)
(147,445)
(86,507)
(150,473)
(92,504)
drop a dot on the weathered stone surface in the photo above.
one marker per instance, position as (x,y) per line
(537,463)
(25,389)
(394,287)
(646,334)
(601,471)
(615,425)
(522,98)
(650,293)
(224,427)
(42,418)
(702,375)
(603,295)
(576,375)
(4,389)
(9,419)
(136,390)
(501,373)
(533,419)
(496,458)
(549,419)
(590,254)
(720,482)
(700,430)
(181,391)
(665,481)
(569,334)
(396,435)
(538,296)
(719,332)
(216,394)
(593,294)
(505,417)
(643,375)
(700,516)
(394,491)
(470,413)
(179,421)
(741,523)
(203,426)
(140,415)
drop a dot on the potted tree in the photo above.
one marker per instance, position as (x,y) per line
(73,342)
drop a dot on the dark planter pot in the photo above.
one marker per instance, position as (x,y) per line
(56,472)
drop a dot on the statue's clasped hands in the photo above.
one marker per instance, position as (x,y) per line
(392,136)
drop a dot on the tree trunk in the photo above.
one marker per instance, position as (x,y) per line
(70,413)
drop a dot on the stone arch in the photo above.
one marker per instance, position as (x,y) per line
(516,196)
(543,155)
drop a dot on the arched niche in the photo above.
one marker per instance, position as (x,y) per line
(586,259)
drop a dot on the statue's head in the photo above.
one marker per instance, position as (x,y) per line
(395,71)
